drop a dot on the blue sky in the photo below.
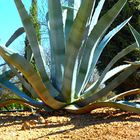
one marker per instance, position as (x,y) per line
(9,18)
(9,22)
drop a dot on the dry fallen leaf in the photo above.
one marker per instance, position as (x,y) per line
(33,122)
(25,126)
(28,124)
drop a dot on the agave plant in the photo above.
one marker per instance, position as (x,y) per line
(78,36)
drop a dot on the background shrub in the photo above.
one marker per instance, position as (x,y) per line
(123,39)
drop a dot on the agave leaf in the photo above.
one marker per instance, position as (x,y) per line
(135,34)
(111,85)
(69,18)
(3,64)
(23,81)
(126,106)
(109,75)
(93,40)
(106,39)
(114,71)
(4,103)
(124,94)
(112,62)
(16,34)
(7,75)
(135,105)
(31,35)
(57,41)
(96,15)
(30,74)
(13,72)
(76,5)
(19,93)
(73,45)
(97,54)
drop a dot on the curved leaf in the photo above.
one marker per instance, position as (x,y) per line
(109,75)
(96,15)
(112,62)
(126,106)
(31,35)
(16,34)
(135,34)
(33,78)
(111,85)
(57,42)
(97,53)
(69,18)
(4,103)
(126,93)
(93,40)
(106,39)
(73,45)
(19,93)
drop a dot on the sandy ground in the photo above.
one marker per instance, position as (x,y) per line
(101,124)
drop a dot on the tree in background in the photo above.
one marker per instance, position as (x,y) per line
(124,37)
(34,17)
(28,52)
(121,40)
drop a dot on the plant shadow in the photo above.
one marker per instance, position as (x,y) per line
(98,116)
(94,118)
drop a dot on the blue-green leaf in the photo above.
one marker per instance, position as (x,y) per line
(31,75)
(135,34)
(57,42)
(16,34)
(73,45)
(19,93)
(123,105)
(32,37)
(124,94)
(93,41)
(96,15)
(111,85)
(113,61)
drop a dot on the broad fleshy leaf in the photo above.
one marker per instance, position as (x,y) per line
(4,103)
(109,75)
(111,85)
(16,34)
(124,94)
(112,62)
(93,40)
(19,93)
(73,45)
(69,18)
(126,106)
(96,15)
(57,42)
(98,52)
(135,34)
(32,37)
(30,74)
